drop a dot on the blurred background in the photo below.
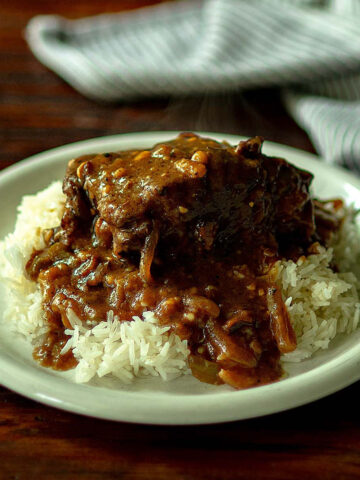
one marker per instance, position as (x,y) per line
(38,110)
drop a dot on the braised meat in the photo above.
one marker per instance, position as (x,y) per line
(199,194)
(191,230)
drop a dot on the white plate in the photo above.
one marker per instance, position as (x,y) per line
(185,400)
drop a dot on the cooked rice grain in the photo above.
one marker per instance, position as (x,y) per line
(139,348)
(321,303)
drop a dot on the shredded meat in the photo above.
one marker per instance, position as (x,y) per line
(192,230)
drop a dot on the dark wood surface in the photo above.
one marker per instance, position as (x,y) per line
(37,112)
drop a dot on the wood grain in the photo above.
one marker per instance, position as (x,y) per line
(39,111)
(319,441)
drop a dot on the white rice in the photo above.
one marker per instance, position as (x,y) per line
(138,348)
(320,303)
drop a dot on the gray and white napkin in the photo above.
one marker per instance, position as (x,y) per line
(309,48)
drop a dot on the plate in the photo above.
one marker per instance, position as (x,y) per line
(184,400)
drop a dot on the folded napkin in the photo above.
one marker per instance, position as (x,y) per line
(309,48)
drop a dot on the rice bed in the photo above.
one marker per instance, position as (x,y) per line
(320,303)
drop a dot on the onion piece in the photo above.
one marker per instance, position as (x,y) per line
(279,321)
(239,377)
(147,254)
(227,350)
(204,370)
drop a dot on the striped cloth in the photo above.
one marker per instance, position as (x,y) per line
(309,48)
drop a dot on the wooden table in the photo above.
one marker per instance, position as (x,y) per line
(37,112)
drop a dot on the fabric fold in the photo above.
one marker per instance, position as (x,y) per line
(309,47)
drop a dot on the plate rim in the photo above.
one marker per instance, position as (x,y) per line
(46,383)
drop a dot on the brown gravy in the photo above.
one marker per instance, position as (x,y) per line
(191,230)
